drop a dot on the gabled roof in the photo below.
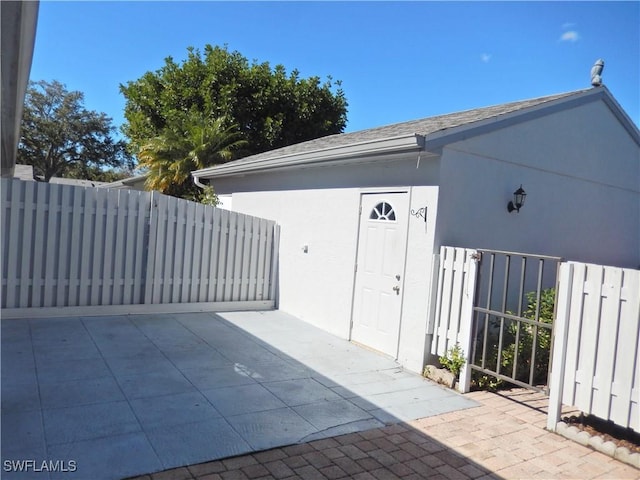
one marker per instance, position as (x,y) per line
(427,134)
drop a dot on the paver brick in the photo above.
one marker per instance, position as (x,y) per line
(239,462)
(352,451)
(309,472)
(395,428)
(317,459)
(349,465)
(384,444)
(383,457)
(324,443)
(422,468)
(366,446)
(211,476)
(295,462)
(369,463)
(452,473)
(472,471)
(451,458)
(333,472)
(233,475)
(400,470)
(384,474)
(401,455)
(255,471)
(333,453)
(279,469)
(349,438)
(270,455)
(364,476)
(371,434)
(298,449)
(205,468)
(173,474)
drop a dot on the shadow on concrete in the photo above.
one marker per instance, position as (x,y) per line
(115,397)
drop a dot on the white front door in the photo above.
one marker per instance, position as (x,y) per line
(377,303)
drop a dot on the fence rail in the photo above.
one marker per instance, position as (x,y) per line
(71,246)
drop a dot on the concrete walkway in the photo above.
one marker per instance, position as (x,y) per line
(503,438)
(113,397)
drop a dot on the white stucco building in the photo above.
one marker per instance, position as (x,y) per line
(355,261)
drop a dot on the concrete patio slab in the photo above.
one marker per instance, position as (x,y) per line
(128,395)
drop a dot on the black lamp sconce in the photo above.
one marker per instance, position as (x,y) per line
(518,200)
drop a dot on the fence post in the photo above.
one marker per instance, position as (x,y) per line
(275,263)
(559,345)
(466,319)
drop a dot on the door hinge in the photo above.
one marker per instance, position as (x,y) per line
(355,269)
(360,210)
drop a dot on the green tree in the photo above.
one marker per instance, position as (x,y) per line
(188,142)
(270,107)
(59,137)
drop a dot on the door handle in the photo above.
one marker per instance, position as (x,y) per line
(397,289)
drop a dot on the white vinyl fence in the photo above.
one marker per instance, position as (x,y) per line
(71,246)
(454,303)
(595,357)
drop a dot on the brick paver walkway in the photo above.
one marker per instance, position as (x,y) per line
(503,438)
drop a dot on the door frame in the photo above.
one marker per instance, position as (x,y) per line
(361,193)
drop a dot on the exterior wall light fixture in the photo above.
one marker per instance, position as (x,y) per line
(518,200)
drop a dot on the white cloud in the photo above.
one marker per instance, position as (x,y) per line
(570,36)
(485,57)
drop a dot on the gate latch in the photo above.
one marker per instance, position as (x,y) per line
(477,256)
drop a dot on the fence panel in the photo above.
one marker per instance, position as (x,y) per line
(600,374)
(454,298)
(73,246)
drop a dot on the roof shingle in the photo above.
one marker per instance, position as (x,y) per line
(424,126)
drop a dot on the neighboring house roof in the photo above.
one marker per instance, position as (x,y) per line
(25,172)
(76,182)
(132,183)
(427,134)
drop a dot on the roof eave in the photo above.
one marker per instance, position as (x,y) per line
(336,155)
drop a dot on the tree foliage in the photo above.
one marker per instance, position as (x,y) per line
(188,142)
(270,107)
(59,137)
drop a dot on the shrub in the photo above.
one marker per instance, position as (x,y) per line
(454,360)
(524,333)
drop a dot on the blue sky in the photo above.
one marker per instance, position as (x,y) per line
(397,60)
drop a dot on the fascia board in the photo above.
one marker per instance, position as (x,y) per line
(435,141)
(335,155)
(621,115)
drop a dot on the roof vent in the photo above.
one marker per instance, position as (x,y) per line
(596,73)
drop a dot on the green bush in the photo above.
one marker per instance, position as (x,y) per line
(522,335)
(454,360)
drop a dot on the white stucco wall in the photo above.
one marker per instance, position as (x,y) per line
(581,172)
(315,286)
(319,208)
(418,275)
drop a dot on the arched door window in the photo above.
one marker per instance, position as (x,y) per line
(383,211)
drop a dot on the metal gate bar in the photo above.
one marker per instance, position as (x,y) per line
(488,323)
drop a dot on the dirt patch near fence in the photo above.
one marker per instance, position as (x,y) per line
(622,437)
